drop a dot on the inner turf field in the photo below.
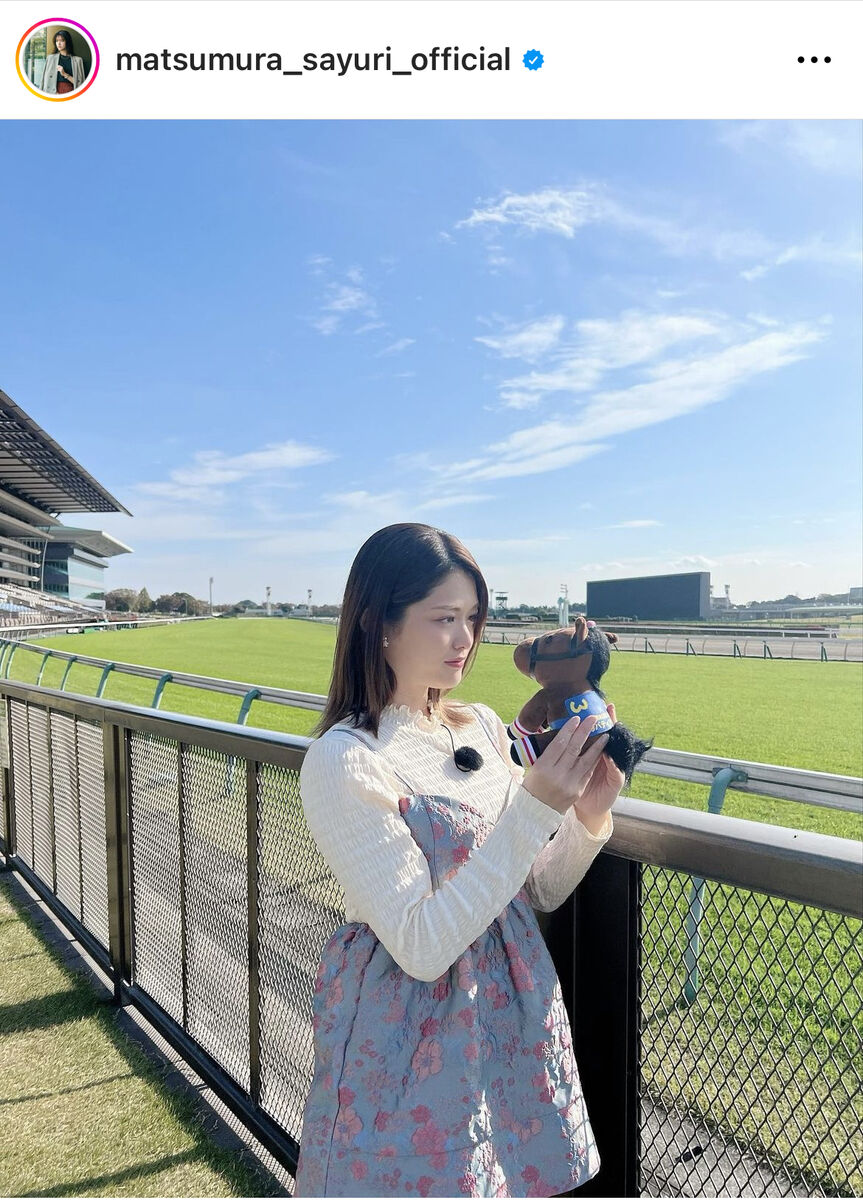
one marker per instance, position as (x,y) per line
(797,714)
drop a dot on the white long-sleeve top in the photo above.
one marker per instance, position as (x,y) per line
(350,791)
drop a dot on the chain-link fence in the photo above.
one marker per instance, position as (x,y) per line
(176,850)
(751,1059)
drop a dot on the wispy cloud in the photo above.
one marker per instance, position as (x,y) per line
(564,212)
(567,212)
(668,388)
(343,298)
(816,250)
(548,211)
(211,471)
(637,524)
(528,341)
(386,503)
(317,263)
(832,147)
(396,347)
(579,362)
(649,565)
(360,498)
(531,451)
(455,501)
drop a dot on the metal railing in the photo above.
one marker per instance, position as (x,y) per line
(763,779)
(247,692)
(801,648)
(59,628)
(174,848)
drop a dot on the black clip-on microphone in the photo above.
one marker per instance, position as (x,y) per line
(466,758)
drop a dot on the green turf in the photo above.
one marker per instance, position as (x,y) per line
(796,714)
(84,1112)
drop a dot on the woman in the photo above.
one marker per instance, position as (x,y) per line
(443,1053)
(65,70)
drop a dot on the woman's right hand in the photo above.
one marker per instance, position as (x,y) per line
(562,772)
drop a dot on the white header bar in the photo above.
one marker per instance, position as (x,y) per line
(264,59)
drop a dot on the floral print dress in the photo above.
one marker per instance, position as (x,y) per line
(464,1086)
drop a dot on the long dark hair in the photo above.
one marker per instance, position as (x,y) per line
(396,567)
(70,45)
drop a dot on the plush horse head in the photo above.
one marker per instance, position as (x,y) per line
(569,664)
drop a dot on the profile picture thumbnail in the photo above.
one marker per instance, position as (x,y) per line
(57,59)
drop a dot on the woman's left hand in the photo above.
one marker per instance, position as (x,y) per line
(602,789)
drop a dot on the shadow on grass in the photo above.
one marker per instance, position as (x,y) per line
(85,1187)
(65,1091)
(241,1175)
(46,1011)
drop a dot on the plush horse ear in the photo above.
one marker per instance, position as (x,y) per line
(581,629)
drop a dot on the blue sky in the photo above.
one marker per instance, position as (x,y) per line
(589,349)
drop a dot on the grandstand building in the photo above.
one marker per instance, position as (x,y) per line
(40,557)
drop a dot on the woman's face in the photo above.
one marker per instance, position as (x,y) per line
(435,637)
(60,43)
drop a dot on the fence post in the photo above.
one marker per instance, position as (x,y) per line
(182,824)
(6,769)
(243,714)
(252,769)
(160,687)
(594,939)
(115,748)
(106,671)
(72,659)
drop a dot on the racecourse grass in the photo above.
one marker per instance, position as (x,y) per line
(795,714)
(85,1113)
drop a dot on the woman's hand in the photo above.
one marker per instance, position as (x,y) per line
(562,774)
(603,788)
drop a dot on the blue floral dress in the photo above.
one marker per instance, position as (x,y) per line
(463,1086)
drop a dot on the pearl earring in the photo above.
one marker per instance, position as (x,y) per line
(386,641)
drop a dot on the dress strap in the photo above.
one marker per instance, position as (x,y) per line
(368,742)
(490,734)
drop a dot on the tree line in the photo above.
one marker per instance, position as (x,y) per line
(132,601)
(128,600)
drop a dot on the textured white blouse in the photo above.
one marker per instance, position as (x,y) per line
(350,791)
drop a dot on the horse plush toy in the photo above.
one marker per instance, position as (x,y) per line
(568,664)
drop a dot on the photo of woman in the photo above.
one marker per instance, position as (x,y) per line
(443,1052)
(64,70)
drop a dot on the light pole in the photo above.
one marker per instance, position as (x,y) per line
(211,595)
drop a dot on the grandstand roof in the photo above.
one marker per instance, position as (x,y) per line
(35,468)
(94,540)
